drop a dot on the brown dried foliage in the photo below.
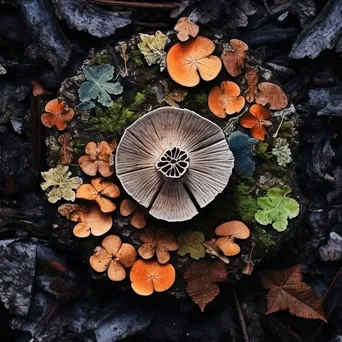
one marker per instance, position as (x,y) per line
(287,291)
(234,57)
(271,94)
(252,78)
(65,152)
(201,278)
(138,219)
(185,29)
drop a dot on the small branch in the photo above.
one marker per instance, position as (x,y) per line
(267,8)
(165,6)
(241,319)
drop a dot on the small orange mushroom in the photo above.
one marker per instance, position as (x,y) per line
(91,220)
(98,191)
(225,100)
(188,62)
(113,256)
(229,231)
(157,241)
(234,57)
(256,120)
(57,114)
(149,276)
(186,29)
(271,94)
(97,159)
(138,220)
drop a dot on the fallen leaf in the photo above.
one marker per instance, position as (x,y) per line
(277,208)
(113,256)
(65,152)
(100,191)
(185,29)
(153,48)
(191,243)
(60,183)
(98,86)
(97,159)
(234,57)
(252,78)
(240,144)
(271,94)
(212,249)
(178,95)
(138,219)
(157,241)
(37,89)
(188,62)
(256,121)
(287,291)
(201,278)
(225,99)
(124,56)
(57,114)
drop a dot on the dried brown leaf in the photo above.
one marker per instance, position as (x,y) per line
(37,89)
(213,250)
(287,291)
(65,152)
(178,95)
(185,29)
(234,57)
(252,78)
(271,94)
(201,278)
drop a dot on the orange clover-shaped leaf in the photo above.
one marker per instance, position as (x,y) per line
(91,220)
(189,61)
(185,29)
(225,100)
(148,276)
(57,113)
(157,241)
(234,57)
(271,94)
(229,231)
(138,219)
(97,159)
(113,256)
(256,120)
(99,190)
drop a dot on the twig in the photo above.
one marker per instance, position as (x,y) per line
(241,319)
(150,25)
(152,5)
(327,293)
(267,8)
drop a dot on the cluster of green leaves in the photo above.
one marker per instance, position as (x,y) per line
(191,243)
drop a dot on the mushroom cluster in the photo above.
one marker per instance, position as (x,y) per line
(184,161)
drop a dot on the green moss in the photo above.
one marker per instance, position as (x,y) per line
(246,205)
(137,58)
(264,240)
(196,101)
(102,58)
(118,117)
(287,130)
(262,150)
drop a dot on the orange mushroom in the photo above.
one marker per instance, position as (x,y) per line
(97,159)
(57,114)
(234,57)
(98,191)
(256,120)
(186,29)
(229,231)
(271,94)
(138,220)
(91,220)
(113,256)
(225,100)
(149,276)
(189,61)
(157,241)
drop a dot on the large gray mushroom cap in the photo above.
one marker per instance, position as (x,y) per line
(172,160)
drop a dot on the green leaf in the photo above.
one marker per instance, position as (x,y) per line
(152,47)
(276,208)
(97,85)
(60,183)
(191,243)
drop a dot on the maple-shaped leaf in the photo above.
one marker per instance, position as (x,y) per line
(97,85)
(277,208)
(287,291)
(201,278)
(191,242)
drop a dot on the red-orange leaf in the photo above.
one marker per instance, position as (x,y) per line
(201,278)
(287,291)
